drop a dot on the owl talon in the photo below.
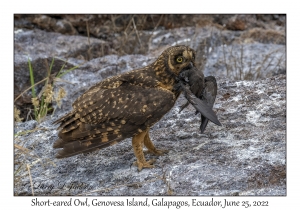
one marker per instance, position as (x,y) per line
(128,105)
(146,164)
(157,152)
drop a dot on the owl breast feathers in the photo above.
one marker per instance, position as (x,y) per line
(123,106)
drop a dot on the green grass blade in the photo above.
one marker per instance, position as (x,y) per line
(31,78)
(71,69)
(62,67)
(32,84)
(51,65)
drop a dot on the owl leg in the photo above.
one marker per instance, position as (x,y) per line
(137,144)
(150,146)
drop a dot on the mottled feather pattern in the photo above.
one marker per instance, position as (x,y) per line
(88,145)
(112,112)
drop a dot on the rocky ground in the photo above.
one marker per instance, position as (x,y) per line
(246,156)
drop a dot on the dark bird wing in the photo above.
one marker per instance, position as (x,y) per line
(202,91)
(200,105)
(195,79)
(105,115)
(208,96)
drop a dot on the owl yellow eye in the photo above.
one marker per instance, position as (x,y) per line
(179,60)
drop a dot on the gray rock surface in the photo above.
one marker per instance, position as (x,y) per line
(219,53)
(246,156)
(247,61)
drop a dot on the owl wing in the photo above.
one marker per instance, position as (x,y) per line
(105,116)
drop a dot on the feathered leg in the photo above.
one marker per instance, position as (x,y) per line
(137,144)
(150,146)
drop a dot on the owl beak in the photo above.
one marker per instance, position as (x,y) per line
(191,65)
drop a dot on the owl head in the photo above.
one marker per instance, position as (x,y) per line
(179,58)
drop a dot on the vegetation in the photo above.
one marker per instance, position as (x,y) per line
(42,102)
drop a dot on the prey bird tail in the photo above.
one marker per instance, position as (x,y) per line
(209,96)
(204,122)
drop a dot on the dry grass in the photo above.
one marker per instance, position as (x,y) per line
(25,158)
(130,41)
(42,105)
(266,36)
(30,178)
(17,115)
(133,184)
(240,68)
(42,101)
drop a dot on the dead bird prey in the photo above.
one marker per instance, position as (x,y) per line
(201,93)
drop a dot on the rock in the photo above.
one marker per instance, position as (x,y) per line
(248,61)
(247,154)
(236,25)
(51,24)
(41,47)
(127,34)
(264,36)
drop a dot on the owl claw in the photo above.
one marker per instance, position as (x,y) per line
(146,164)
(157,152)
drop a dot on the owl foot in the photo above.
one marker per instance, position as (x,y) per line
(146,164)
(157,152)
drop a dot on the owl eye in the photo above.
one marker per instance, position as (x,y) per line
(179,59)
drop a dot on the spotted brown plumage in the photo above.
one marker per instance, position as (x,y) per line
(123,106)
